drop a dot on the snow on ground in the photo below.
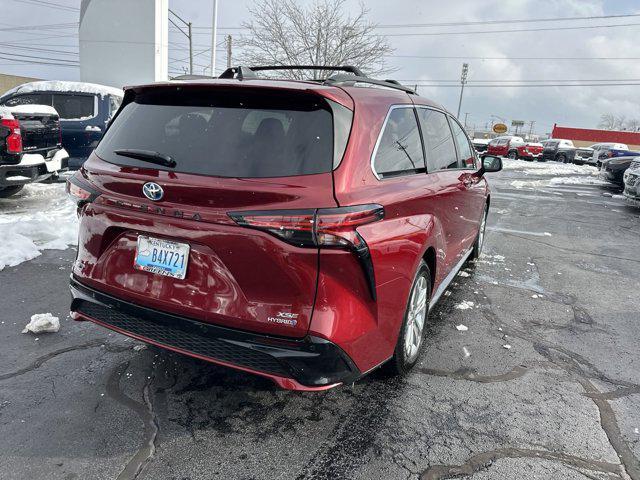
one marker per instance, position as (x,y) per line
(41,323)
(548,168)
(560,173)
(41,217)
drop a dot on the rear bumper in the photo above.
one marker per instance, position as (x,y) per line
(33,168)
(307,364)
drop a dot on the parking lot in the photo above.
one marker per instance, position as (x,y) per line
(544,381)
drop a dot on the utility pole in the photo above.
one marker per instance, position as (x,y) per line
(463,80)
(214,37)
(228,51)
(466,114)
(188,35)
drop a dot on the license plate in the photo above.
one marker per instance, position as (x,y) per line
(162,257)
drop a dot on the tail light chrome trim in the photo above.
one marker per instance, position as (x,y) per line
(319,228)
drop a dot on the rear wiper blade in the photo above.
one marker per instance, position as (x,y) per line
(147,156)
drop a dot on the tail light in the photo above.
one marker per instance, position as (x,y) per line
(319,228)
(14,139)
(80,191)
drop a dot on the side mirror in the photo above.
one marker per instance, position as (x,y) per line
(491,164)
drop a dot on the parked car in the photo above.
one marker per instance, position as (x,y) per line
(583,155)
(529,151)
(30,147)
(480,144)
(558,150)
(602,151)
(612,169)
(632,182)
(84,109)
(505,146)
(278,227)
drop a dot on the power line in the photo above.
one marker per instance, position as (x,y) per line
(37,49)
(409,80)
(471,57)
(494,22)
(39,57)
(545,29)
(534,86)
(36,62)
(43,3)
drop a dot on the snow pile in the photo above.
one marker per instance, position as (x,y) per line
(40,218)
(42,322)
(64,86)
(464,305)
(577,181)
(7,112)
(548,168)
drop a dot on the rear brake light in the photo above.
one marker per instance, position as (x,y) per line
(14,139)
(80,191)
(319,228)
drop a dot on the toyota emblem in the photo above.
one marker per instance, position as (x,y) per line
(152,191)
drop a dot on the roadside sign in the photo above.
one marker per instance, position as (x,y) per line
(500,128)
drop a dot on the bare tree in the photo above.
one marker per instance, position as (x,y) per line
(621,122)
(283,32)
(607,121)
(633,125)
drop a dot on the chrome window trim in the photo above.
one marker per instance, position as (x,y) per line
(384,126)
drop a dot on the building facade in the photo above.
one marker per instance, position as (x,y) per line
(7,82)
(585,137)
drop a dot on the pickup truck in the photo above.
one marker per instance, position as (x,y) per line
(30,147)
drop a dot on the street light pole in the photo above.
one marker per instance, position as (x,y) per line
(463,80)
(214,36)
(187,34)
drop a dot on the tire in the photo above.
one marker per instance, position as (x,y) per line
(561,158)
(477,245)
(513,155)
(407,351)
(9,191)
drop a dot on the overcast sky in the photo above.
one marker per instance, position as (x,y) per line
(575,106)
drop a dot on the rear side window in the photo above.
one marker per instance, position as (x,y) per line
(74,107)
(399,150)
(465,152)
(29,99)
(441,153)
(227,133)
(114,105)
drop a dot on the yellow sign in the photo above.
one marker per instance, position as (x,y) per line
(500,128)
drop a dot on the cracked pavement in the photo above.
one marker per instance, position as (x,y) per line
(558,283)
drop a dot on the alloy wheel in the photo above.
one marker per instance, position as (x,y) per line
(416,315)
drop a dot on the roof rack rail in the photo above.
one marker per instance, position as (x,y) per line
(337,79)
(240,72)
(356,75)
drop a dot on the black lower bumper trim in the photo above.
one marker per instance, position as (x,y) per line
(310,361)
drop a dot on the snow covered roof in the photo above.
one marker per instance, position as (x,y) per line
(64,86)
(6,112)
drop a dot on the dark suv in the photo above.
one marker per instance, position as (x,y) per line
(558,150)
(299,230)
(84,109)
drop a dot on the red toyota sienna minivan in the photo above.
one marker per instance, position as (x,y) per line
(299,230)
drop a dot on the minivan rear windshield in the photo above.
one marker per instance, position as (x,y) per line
(228,133)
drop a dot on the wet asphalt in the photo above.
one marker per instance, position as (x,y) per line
(544,384)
